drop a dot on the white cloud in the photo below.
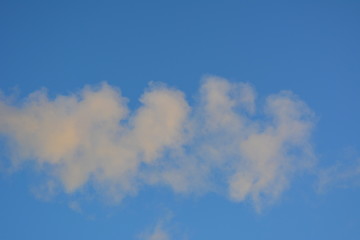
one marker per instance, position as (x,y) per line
(164,229)
(272,151)
(158,233)
(222,142)
(340,175)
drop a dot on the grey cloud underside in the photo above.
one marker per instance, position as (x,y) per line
(222,143)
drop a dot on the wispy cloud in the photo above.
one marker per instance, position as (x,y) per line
(163,229)
(222,143)
(340,175)
(158,233)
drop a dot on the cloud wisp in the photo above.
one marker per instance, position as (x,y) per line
(222,143)
(158,232)
(339,175)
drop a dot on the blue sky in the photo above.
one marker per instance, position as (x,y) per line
(184,130)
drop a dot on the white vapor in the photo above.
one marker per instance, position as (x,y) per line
(164,229)
(339,175)
(158,233)
(222,143)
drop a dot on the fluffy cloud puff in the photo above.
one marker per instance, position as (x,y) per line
(222,143)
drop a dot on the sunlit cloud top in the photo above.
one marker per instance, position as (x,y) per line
(225,142)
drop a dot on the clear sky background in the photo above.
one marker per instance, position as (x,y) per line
(308,47)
